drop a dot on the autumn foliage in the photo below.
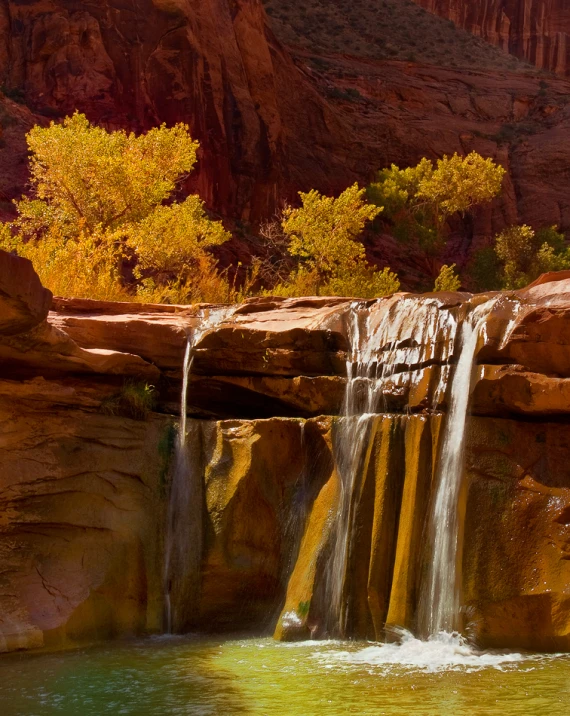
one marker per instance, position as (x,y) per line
(107,219)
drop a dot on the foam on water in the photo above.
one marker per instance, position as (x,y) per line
(442,652)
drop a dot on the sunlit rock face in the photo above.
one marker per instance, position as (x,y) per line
(84,489)
(81,493)
(534,30)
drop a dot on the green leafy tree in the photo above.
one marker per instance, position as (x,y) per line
(419,200)
(323,235)
(448,280)
(485,271)
(100,197)
(524,254)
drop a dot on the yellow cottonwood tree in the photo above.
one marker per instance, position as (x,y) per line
(100,197)
(419,200)
(323,234)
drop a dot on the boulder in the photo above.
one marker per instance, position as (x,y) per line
(24,302)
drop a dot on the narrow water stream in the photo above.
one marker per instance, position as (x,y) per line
(440,600)
(183,540)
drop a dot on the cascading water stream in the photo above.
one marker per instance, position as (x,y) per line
(384,349)
(440,597)
(183,534)
(353,429)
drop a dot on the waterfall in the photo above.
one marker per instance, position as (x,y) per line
(440,596)
(390,341)
(359,400)
(184,528)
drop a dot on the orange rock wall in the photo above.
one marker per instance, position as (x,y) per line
(515,572)
(81,505)
(534,30)
(83,492)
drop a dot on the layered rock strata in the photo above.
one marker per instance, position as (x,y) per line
(83,489)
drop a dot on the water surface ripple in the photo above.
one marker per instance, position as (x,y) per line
(203,677)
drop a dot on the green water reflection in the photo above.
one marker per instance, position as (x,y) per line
(259,677)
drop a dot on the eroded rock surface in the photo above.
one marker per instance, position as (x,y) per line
(535,30)
(84,488)
(81,498)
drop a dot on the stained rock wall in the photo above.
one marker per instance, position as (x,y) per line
(84,491)
(534,30)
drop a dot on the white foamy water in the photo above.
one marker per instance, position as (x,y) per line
(443,652)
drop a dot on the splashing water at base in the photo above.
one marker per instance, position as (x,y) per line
(185,676)
(442,652)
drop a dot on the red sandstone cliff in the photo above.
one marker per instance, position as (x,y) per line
(269,125)
(535,30)
(212,64)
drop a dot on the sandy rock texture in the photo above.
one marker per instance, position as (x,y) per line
(81,492)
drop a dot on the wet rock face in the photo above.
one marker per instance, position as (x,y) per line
(288,357)
(534,30)
(516,562)
(83,491)
(515,566)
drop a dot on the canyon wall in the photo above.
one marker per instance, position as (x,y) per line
(270,125)
(534,30)
(84,480)
(213,65)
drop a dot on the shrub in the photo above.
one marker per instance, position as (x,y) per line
(363,282)
(484,270)
(524,254)
(323,235)
(447,280)
(135,400)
